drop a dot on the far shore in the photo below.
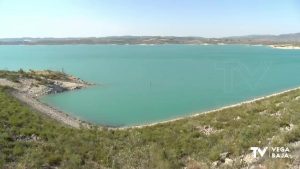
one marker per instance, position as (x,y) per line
(284,46)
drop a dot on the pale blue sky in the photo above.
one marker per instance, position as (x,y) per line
(207,18)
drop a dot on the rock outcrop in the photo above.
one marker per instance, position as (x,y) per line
(39,83)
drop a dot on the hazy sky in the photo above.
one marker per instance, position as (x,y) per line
(207,18)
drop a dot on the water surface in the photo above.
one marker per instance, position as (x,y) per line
(142,84)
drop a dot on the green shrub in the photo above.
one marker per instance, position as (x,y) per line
(54,160)
(18,150)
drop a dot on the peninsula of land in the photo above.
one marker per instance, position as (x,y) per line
(29,86)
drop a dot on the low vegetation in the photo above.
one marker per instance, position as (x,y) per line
(31,140)
(37,75)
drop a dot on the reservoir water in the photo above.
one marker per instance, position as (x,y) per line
(139,84)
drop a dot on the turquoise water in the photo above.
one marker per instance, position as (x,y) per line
(142,84)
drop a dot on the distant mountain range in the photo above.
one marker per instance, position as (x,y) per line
(291,39)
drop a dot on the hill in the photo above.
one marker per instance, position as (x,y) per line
(251,39)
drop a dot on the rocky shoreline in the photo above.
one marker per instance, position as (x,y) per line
(28,87)
(49,111)
(40,83)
